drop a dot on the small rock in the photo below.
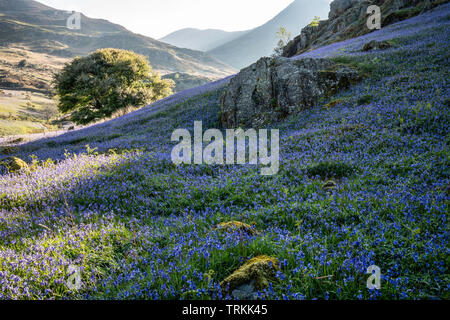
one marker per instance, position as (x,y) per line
(329,185)
(253,276)
(378,45)
(333,103)
(245,292)
(8,150)
(233,226)
(13,164)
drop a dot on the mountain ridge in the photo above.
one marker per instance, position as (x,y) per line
(200,39)
(262,40)
(43,29)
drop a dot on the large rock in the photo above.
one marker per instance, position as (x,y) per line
(273,88)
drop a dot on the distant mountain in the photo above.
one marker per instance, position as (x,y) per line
(43,29)
(261,41)
(203,40)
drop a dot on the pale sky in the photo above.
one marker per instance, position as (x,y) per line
(157,18)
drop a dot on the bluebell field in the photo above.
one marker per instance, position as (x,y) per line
(107,198)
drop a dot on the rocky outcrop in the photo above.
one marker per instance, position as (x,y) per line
(273,88)
(348,19)
(338,7)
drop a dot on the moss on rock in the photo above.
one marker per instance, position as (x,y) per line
(329,185)
(233,226)
(333,103)
(257,272)
(13,164)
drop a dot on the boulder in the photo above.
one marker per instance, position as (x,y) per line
(253,276)
(13,164)
(273,88)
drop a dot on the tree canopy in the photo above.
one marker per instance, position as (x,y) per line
(107,81)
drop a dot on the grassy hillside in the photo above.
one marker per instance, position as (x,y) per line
(26,101)
(22,112)
(141,227)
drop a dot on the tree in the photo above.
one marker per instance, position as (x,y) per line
(105,82)
(284,37)
(315,22)
(49,111)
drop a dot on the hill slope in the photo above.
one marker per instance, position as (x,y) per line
(35,43)
(262,41)
(43,29)
(142,228)
(203,40)
(348,19)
